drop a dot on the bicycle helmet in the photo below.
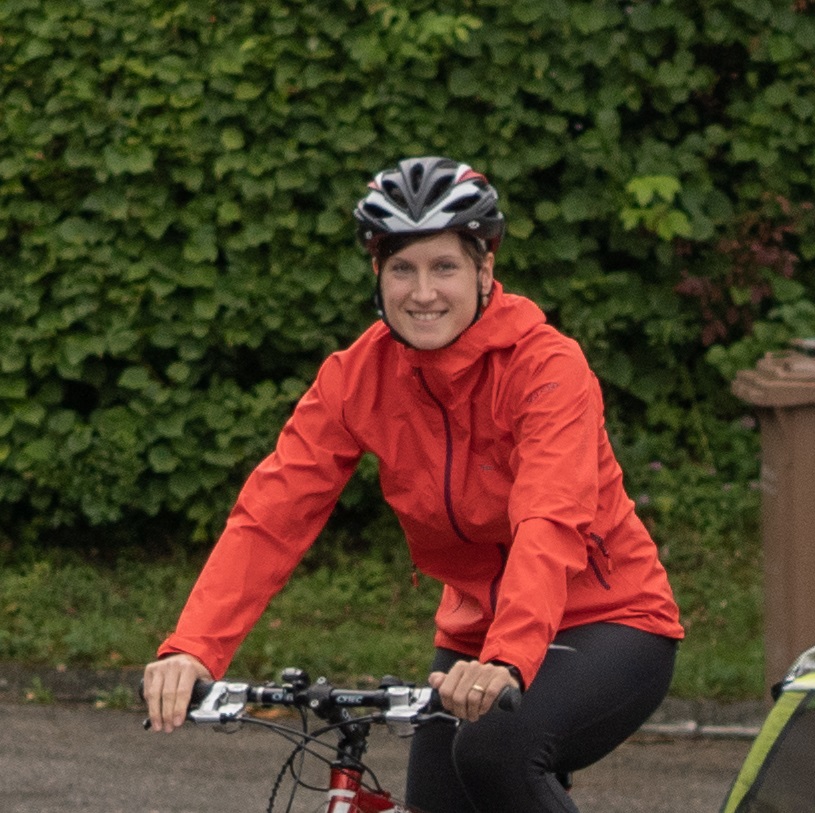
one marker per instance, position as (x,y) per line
(426,195)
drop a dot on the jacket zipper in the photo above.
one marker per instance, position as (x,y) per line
(598,573)
(448,458)
(448,489)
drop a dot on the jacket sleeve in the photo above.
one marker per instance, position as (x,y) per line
(556,421)
(281,509)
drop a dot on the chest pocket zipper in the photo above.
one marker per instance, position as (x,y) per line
(599,550)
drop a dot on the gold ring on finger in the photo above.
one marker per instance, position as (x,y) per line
(476,688)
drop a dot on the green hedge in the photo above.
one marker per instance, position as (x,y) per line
(176,249)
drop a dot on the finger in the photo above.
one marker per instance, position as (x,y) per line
(152,695)
(444,683)
(465,699)
(477,701)
(168,692)
(183,695)
(435,679)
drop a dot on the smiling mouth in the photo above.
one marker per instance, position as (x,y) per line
(426,316)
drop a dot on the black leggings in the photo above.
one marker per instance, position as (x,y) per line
(597,685)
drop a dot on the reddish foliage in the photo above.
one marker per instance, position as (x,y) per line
(761,245)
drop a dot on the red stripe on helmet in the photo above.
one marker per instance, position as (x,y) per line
(471,174)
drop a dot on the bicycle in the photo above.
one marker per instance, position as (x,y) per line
(352,786)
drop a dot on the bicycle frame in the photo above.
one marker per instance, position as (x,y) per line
(347,795)
(346,791)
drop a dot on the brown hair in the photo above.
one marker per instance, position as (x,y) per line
(475,248)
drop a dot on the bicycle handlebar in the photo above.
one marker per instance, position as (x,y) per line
(225,701)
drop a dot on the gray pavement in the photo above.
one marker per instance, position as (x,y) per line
(73,757)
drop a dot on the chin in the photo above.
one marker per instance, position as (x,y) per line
(422,341)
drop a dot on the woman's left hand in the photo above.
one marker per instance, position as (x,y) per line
(470,688)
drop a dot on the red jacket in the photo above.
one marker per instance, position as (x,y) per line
(494,456)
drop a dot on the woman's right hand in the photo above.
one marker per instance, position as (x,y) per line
(168,688)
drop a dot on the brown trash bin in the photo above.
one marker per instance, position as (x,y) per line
(782,388)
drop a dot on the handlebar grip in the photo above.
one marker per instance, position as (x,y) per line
(200,690)
(435,704)
(509,699)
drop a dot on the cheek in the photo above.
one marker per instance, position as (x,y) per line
(391,294)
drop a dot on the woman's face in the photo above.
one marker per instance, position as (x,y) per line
(432,288)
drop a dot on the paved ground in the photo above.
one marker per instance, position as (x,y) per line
(72,757)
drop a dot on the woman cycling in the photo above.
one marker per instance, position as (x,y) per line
(488,426)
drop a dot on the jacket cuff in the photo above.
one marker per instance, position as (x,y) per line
(514,672)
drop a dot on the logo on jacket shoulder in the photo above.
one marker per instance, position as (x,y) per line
(541,391)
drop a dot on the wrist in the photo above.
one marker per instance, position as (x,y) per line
(514,672)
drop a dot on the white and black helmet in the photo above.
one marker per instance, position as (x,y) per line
(426,195)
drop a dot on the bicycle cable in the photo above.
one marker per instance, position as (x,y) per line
(305,744)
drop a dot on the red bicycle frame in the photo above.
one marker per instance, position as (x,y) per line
(346,794)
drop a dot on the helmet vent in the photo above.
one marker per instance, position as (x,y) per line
(416,175)
(393,191)
(437,191)
(462,204)
(375,211)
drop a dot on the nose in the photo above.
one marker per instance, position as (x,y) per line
(423,289)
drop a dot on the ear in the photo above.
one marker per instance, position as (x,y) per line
(485,274)
(375,265)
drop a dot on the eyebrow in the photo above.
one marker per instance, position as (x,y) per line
(440,258)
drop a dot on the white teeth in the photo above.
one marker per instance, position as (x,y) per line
(426,317)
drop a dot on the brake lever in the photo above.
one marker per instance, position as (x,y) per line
(223,704)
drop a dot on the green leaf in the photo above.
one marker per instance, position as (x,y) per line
(12,167)
(650,187)
(464,82)
(546,210)
(77,348)
(201,246)
(178,372)
(566,246)
(229,212)
(331,222)
(577,205)
(37,451)
(674,224)
(589,19)
(232,139)
(521,227)
(80,231)
(162,460)
(527,11)
(787,290)
(248,91)
(12,387)
(121,160)
(30,413)
(135,378)
(183,484)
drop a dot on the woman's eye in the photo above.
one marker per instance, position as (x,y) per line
(446,267)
